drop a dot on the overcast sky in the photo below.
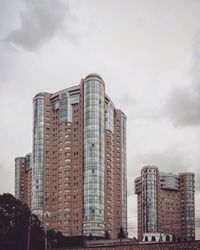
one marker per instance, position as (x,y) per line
(147,52)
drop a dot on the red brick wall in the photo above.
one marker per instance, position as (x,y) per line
(164,246)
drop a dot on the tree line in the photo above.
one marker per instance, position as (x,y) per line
(22,230)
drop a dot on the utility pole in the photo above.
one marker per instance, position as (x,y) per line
(160,242)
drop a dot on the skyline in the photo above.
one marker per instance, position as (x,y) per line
(147,52)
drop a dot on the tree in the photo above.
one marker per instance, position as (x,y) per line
(37,239)
(135,239)
(121,234)
(107,235)
(15,218)
(52,238)
(90,237)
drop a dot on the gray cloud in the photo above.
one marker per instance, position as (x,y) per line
(127,100)
(40,22)
(170,160)
(196,65)
(183,106)
(6,184)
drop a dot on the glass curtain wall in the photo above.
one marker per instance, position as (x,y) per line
(38,146)
(94,98)
(109,117)
(149,195)
(190,211)
(65,108)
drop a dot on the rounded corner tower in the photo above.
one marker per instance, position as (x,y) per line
(94,165)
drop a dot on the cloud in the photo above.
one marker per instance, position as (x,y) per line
(195,72)
(127,100)
(6,184)
(169,160)
(40,22)
(183,104)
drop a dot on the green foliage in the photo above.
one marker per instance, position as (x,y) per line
(15,218)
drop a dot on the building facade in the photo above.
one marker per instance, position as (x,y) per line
(165,203)
(23,178)
(79,160)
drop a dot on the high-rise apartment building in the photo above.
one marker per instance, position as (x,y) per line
(79,182)
(23,176)
(165,203)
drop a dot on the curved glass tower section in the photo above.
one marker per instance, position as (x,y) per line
(94,98)
(149,199)
(38,146)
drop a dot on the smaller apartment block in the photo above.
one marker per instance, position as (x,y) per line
(165,203)
(23,175)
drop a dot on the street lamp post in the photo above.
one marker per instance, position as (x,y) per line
(45,216)
(29,232)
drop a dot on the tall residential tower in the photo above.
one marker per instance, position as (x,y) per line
(79,160)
